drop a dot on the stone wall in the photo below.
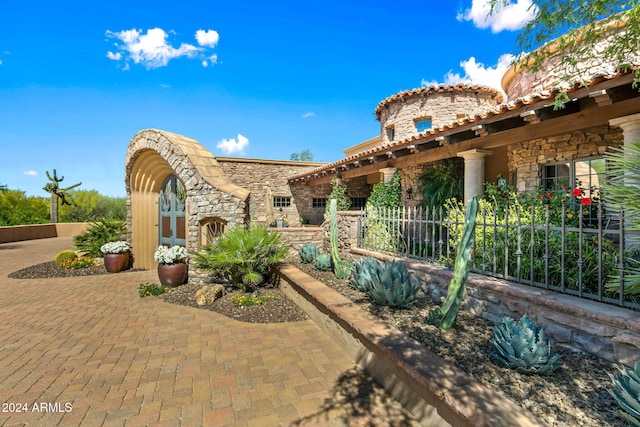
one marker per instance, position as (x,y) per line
(526,158)
(263,176)
(442,108)
(347,233)
(553,74)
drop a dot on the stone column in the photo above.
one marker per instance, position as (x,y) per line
(387,173)
(473,172)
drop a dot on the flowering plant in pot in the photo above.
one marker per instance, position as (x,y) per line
(172,265)
(116,255)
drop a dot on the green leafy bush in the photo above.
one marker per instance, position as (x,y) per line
(99,233)
(523,347)
(250,299)
(63,256)
(149,289)
(626,391)
(246,255)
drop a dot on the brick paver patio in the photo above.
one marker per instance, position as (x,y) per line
(88,351)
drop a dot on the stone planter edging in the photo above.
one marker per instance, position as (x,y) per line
(434,390)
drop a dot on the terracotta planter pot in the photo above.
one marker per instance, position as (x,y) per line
(173,275)
(115,263)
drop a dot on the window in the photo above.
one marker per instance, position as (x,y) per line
(391,133)
(423,124)
(587,174)
(281,202)
(319,203)
(358,202)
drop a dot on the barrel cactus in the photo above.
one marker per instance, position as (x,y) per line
(391,286)
(308,253)
(523,347)
(362,271)
(64,256)
(323,262)
(626,391)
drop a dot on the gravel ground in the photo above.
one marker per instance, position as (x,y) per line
(575,395)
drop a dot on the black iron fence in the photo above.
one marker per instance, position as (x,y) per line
(580,250)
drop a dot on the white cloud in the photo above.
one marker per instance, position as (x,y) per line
(207,38)
(308,114)
(213,59)
(233,145)
(478,74)
(150,49)
(512,16)
(30,173)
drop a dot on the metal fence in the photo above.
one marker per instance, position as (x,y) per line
(577,250)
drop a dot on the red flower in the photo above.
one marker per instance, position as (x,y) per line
(542,197)
(586,201)
(549,195)
(577,192)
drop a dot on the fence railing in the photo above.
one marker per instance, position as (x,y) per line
(579,251)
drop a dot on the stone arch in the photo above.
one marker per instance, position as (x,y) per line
(152,156)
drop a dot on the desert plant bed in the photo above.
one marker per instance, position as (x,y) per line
(575,395)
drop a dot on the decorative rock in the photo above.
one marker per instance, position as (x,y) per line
(208,294)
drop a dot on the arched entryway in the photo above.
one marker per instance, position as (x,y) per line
(174,186)
(172,226)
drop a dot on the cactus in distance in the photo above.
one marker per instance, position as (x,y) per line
(362,271)
(63,256)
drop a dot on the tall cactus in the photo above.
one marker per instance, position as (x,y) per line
(445,316)
(341,268)
(56,192)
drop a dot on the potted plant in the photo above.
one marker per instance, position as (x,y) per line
(172,265)
(116,255)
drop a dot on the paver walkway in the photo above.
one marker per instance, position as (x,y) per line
(88,351)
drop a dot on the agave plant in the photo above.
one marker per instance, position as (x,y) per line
(391,285)
(523,347)
(362,271)
(323,262)
(626,391)
(308,253)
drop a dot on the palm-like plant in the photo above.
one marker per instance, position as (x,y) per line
(99,233)
(245,254)
(622,191)
(439,184)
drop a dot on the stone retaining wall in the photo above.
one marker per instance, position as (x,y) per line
(607,331)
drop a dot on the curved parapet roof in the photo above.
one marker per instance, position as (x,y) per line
(175,149)
(433,89)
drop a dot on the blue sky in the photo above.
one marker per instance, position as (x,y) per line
(250,79)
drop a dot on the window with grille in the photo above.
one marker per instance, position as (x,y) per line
(319,202)
(358,202)
(281,202)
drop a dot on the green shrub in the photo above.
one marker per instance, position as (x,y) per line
(63,256)
(149,289)
(249,299)
(99,233)
(323,262)
(246,255)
